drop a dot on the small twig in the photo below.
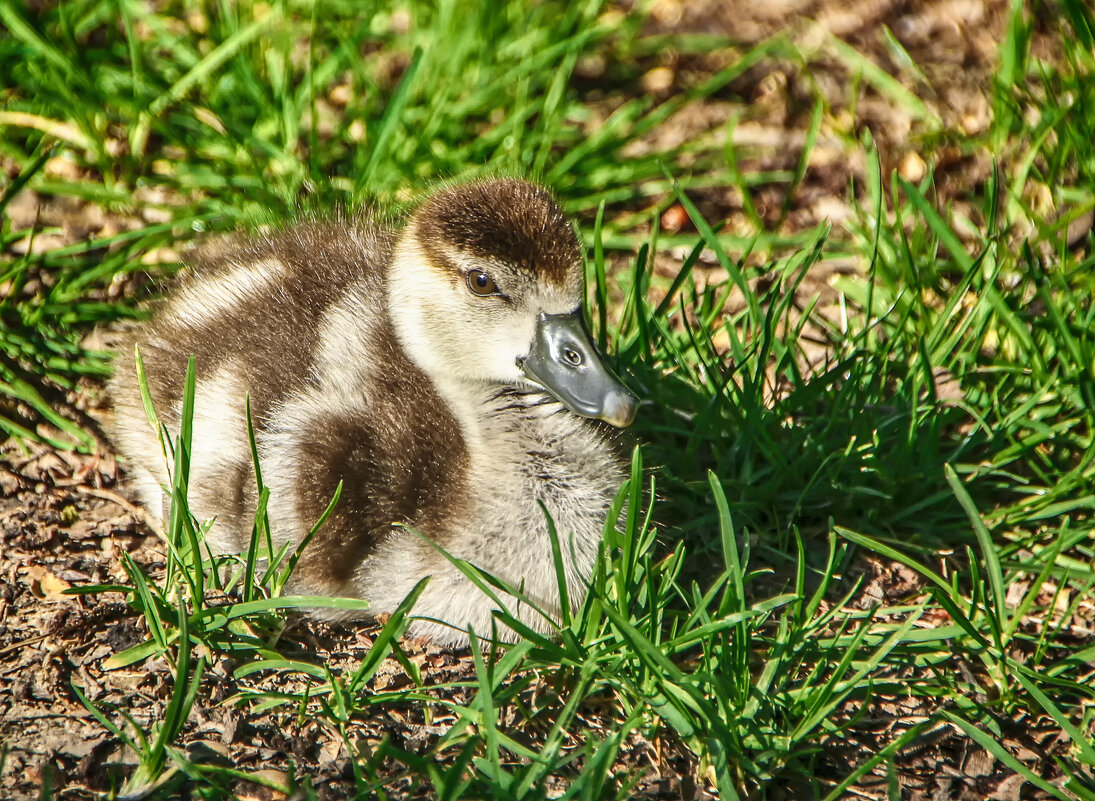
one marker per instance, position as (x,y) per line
(17,645)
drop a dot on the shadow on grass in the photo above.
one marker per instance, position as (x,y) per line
(955,372)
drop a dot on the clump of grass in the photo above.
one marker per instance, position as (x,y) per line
(876,451)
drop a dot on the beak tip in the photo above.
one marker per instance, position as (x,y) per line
(619,409)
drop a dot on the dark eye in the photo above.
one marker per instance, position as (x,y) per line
(481,284)
(572,356)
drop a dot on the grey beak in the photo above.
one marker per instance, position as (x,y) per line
(566,364)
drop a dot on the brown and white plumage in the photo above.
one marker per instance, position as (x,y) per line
(435,371)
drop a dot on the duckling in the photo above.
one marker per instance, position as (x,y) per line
(441,372)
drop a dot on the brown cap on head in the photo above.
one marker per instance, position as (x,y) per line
(508,220)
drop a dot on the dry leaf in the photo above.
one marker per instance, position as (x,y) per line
(45,586)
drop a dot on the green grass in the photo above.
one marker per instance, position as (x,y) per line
(949,427)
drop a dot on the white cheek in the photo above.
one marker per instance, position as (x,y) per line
(484,347)
(510,341)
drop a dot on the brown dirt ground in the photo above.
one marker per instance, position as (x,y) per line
(65,522)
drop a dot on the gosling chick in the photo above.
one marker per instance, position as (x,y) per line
(442,373)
